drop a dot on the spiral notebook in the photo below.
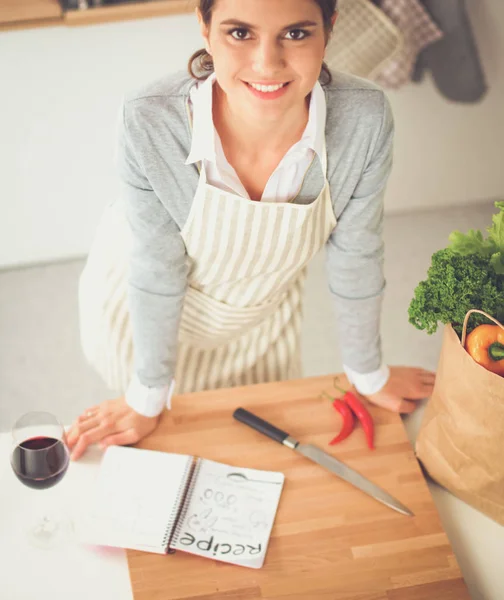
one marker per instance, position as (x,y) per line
(164,502)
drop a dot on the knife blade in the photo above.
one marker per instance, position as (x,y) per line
(323,459)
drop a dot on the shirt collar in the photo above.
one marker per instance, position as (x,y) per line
(203,145)
(203,130)
(314,134)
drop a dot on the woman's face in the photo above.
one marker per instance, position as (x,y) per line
(267,54)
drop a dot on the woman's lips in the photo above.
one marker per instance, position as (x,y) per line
(267,95)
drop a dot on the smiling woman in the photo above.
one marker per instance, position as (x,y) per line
(235,177)
(266,70)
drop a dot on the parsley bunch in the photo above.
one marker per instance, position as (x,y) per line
(468,274)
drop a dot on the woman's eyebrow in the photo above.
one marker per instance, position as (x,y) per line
(238,23)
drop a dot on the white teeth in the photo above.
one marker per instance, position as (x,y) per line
(267,88)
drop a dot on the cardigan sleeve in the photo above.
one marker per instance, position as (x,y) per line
(158,267)
(355,252)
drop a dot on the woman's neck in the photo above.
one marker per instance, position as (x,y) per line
(257,136)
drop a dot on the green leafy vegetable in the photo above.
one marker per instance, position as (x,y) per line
(492,247)
(497,262)
(455,284)
(471,242)
(468,274)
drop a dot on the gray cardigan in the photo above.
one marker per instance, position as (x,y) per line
(153,145)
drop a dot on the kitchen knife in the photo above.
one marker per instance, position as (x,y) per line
(321,458)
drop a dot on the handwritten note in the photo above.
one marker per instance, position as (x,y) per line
(230,513)
(136,495)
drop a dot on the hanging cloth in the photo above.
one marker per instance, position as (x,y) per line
(418,30)
(364,39)
(454,60)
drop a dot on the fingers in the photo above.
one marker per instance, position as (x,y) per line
(411,383)
(111,423)
(427,374)
(91,436)
(422,388)
(393,403)
(80,427)
(130,436)
(412,373)
(427,379)
(406,407)
(419,392)
(89,414)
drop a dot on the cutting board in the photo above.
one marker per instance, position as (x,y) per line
(330,541)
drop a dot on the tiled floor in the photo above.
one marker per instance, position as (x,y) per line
(41,365)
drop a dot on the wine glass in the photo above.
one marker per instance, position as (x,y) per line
(40,458)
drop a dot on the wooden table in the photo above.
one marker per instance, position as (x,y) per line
(330,541)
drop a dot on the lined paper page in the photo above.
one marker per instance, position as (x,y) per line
(137,492)
(230,514)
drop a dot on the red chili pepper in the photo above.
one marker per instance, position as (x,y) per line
(361,413)
(348,418)
(348,421)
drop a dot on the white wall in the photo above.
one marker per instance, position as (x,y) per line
(61,88)
(448,153)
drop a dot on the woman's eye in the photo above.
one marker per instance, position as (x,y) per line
(297,34)
(239,33)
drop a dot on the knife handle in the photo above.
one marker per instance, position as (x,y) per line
(244,416)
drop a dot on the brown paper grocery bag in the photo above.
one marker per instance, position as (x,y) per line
(461,439)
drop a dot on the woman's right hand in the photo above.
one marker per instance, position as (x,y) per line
(112,423)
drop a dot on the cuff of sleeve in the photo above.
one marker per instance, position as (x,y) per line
(368,383)
(147,401)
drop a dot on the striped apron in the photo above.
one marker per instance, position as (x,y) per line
(241,319)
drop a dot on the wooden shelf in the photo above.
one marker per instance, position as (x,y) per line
(26,14)
(21,14)
(31,24)
(14,11)
(127,12)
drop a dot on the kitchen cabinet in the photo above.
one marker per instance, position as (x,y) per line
(39,13)
(16,14)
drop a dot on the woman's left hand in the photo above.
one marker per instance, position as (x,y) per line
(405,386)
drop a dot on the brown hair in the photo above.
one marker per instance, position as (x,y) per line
(204,62)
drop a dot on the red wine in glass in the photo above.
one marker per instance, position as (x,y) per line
(40,462)
(39,459)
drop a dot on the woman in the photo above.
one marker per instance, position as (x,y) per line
(233,181)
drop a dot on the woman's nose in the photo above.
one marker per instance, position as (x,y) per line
(268,58)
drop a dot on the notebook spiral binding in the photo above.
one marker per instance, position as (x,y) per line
(182,503)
